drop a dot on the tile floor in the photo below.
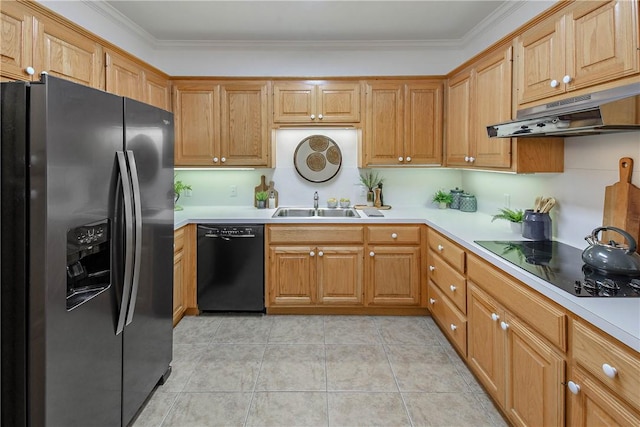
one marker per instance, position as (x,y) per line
(316,371)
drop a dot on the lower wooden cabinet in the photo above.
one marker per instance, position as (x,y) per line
(184,272)
(178,275)
(393,274)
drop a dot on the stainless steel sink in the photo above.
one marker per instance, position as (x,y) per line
(311,213)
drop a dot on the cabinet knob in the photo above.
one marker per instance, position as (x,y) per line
(440,248)
(394,235)
(573,387)
(554,83)
(408,158)
(224,159)
(472,159)
(372,253)
(504,326)
(609,370)
(320,116)
(494,317)
(466,158)
(215,160)
(400,158)
(453,327)
(30,70)
(312,253)
(320,253)
(432,301)
(566,79)
(313,116)
(453,288)
(432,268)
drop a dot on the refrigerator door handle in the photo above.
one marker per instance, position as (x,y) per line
(128,257)
(137,212)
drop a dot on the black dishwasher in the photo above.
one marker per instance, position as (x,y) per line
(231,268)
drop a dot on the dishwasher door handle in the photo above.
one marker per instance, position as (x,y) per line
(217,236)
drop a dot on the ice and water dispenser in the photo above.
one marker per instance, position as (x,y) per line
(88,262)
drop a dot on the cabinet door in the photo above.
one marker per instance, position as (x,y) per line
(338,102)
(535,377)
(244,125)
(197,121)
(540,57)
(486,341)
(340,271)
(16,49)
(292,273)
(384,131)
(423,124)
(156,90)
(178,286)
(64,53)
(602,41)
(594,405)
(491,105)
(458,120)
(293,102)
(393,275)
(124,77)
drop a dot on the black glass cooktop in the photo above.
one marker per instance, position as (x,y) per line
(562,266)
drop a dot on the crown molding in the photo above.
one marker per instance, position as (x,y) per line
(116,17)
(502,13)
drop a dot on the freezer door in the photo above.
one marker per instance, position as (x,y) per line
(147,347)
(75,355)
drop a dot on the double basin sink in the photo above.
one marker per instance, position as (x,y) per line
(315,213)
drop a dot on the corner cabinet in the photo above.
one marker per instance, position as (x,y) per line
(221,123)
(316,102)
(403,123)
(585,44)
(481,95)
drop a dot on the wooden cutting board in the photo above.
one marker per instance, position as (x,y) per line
(622,205)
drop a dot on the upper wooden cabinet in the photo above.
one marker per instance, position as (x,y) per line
(587,43)
(157,90)
(124,77)
(316,102)
(16,49)
(403,123)
(221,123)
(479,96)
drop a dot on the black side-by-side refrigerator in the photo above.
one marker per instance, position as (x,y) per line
(87,254)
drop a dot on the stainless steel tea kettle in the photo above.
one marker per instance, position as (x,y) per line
(612,258)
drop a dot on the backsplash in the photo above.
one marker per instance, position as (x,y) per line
(591,163)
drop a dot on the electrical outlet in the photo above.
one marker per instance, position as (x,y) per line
(233,190)
(507,200)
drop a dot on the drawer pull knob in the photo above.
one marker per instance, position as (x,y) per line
(453,327)
(432,301)
(372,253)
(609,370)
(432,268)
(394,235)
(494,317)
(312,253)
(504,326)
(573,387)
(453,288)
(320,253)
(313,116)
(440,248)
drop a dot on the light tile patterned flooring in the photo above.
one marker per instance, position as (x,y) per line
(316,371)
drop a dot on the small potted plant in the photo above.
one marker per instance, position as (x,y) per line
(344,202)
(515,218)
(442,199)
(178,188)
(261,198)
(370,181)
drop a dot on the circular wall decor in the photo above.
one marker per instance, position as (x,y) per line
(317,158)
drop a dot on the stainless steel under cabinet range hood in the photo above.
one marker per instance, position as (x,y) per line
(613,110)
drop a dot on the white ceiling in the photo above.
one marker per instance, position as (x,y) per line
(302,21)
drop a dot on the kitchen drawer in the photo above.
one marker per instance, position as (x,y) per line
(400,234)
(593,350)
(453,323)
(449,281)
(178,239)
(448,250)
(315,234)
(541,315)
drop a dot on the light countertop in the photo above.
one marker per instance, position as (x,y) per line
(619,317)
